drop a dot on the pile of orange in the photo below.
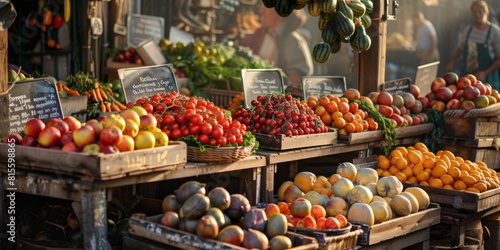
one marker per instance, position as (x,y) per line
(417,165)
(342,113)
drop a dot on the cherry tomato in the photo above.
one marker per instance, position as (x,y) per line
(194,129)
(176,134)
(160,107)
(180,119)
(254,103)
(217,132)
(203,138)
(222,141)
(148,107)
(196,119)
(231,138)
(239,140)
(206,128)
(185,131)
(213,142)
(189,105)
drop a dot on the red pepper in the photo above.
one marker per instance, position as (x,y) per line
(57,22)
(47,18)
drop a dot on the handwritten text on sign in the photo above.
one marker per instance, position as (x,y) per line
(139,82)
(318,86)
(397,87)
(258,82)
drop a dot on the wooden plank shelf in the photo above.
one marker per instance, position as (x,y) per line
(377,135)
(282,142)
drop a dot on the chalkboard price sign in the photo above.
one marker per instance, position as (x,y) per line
(143,27)
(29,99)
(262,82)
(397,87)
(318,86)
(425,75)
(148,80)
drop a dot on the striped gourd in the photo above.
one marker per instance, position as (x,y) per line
(284,7)
(329,33)
(335,46)
(321,52)
(360,41)
(344,26)
(366,21)
(299,6)
(357,7)
(314,8)
(328,6)
(325,16)
(303,2)
(344,8)
(322,24)
(368,5)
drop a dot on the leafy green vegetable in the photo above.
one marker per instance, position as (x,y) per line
(248,139)
(434,140)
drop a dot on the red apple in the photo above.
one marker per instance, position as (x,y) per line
(102,118)
(443,94)
(66,138)
(131,127)
(482,89)
(471,92)
(398,119)
(458,94)
(463,82)
(481,101)
(127,144)
(430,96)
(92,148)
(144,139)
(424,101)
(417,108)
(373,96)
(437,83)
(33,127)
(61,125)
(453,88)
(409,119)
(70,147)
(453,104)
(472,78)
(116,120)
(131,114)
(489,89)
(73,123)
(450,78)
(439,106)
(396,110)
(109,149)
(416,120)
(49,136)
(29,141)
(384,98)
(111,135)
(13,138)
(97,125)
(161,138)
(83,136)
(148,122)
(415,90)
(403,110)
(467,105)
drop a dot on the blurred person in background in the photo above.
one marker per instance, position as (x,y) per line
(480,47)
(281,41)
(425,40)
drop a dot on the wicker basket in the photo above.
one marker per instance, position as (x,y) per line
(220,97)
(490,111)
(344,241)
(221,154)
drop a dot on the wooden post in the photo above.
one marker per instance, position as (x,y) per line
(372,62)
(3,60)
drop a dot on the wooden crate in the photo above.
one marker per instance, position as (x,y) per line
(400,226)
(377,135)
(99,166)
(490,156)
(471,127)
(150,228)
(282,142)
(462,200)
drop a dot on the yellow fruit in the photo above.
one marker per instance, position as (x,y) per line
(305,181)
(361,213)
(422,197)
(282,188)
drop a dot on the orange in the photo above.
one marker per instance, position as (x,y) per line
(343,107)
(401,177)
(418,168)
(312,102)
(393,170)
(372,125)
(386,173)
(481,186)
(348,117)
(450,187)
(422,176)
(438,171)
(408,171)
(358,127)
(353,107)
(473,190)
(464,166)
(350,128)
(395,153)
(454,172)
(339,122)
(428,163)
(361,113)
(332,107)
(326,118)
(384,163)
(446,179)
(330,96)
(448,153)
(379,171)
(357,118)
(420,145)
(323,101)
(459,159)
(337,114)
(344,99)
(403,150)
(437,183)
(401,163)
(414,157)
(336,99)
(365,125)
(469,180)
(413,180)
(320,110)
(459,185)
(424,183)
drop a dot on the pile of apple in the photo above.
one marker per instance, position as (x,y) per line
(403,109)
(451,91)
(128,55)
(128,130)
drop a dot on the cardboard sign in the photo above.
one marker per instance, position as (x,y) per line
(29,99)
(425,75)
(262,82)
(397,87)
(148,80)
(143,27)
(318,86)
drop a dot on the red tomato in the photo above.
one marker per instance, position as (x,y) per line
(180,119)
(176,133)
(217,132)
(196,119)
(206,128)
(231,138)
(148,107)
(213,142)
(203,138)
(185,131)
(222,141)
(194,129)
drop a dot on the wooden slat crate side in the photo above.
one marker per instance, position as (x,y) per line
(471,127)
(401,225)
(282,142)
(414,130)
(480,142)
(362,137)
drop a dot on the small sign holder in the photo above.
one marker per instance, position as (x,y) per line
(260,82)
(318,86)
(425,75)
(397,87)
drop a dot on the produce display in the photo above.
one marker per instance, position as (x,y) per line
(280,114)
(128,130)
(126,55)
(358,194)
(417,165)
(451,91)
(217,214)
(339,21)
(195,120)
